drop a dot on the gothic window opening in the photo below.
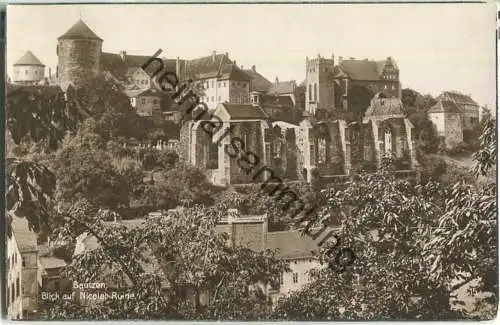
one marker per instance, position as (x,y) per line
(213,156)
(321,151)
(310,93)
(315,92)
(387,141)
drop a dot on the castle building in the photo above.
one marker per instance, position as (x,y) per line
(349,85)
(28,70)
(79,55)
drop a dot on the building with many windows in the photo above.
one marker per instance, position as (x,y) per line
(28,70)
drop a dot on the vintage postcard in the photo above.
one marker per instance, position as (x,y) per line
(251,162)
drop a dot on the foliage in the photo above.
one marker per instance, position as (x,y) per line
(416,245)
(183,250)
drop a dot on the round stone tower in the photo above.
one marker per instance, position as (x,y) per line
(79,55)
(28,70)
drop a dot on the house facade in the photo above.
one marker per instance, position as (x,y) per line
(446,118)
(468,110)
(22,271)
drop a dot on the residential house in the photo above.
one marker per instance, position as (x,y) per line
(22,270)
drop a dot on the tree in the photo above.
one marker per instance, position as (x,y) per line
(183,250)
(416,245)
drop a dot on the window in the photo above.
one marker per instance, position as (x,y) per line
(315,92)
(24,261)
(212,99)
(17,287)
(312,151)
(213,83)
(310,93)
(213,158)
(143,100)
(281,278)
(206,85)
(385,87)
(233,84)
(387,141)
(219,99)
(393,87)
(295,277)
(321,151)
(25,72)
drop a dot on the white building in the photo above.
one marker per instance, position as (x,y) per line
(28,70)
(22,270)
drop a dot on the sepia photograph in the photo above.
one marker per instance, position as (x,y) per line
(251,162)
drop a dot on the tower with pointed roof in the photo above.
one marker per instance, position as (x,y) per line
(28,70)
(79,55)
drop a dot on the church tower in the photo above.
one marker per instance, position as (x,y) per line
(319,84)
(79,55)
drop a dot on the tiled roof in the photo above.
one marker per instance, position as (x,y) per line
(259,82)
(80,30)
(206,67)
(291,244)
(50,262)
(25,238)
(458,98)
(385,106)
(270,101)
(444,106)
(361,69)
(244,112)
(29,59)
(114,63)
(283,87)
(232,72)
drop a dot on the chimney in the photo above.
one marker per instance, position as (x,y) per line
(123,55)
(253,68)
(277,80)
(213,55)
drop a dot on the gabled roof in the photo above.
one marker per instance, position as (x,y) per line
(444,106)
(270,101)
(29,59)
(283,87)
(232,72)
(50,262)
(244,112)
(25,238)
(259,82)
(385,106)
(207,66)
(360,69)
(291,244)
(79,30)
(458,98)
(364,69)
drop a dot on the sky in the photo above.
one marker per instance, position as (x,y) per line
(436,46)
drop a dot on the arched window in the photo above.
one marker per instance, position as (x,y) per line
(387,141)
(310,92)
(321,150)
(315,92)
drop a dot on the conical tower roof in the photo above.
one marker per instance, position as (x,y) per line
(80,30)
(29,59)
